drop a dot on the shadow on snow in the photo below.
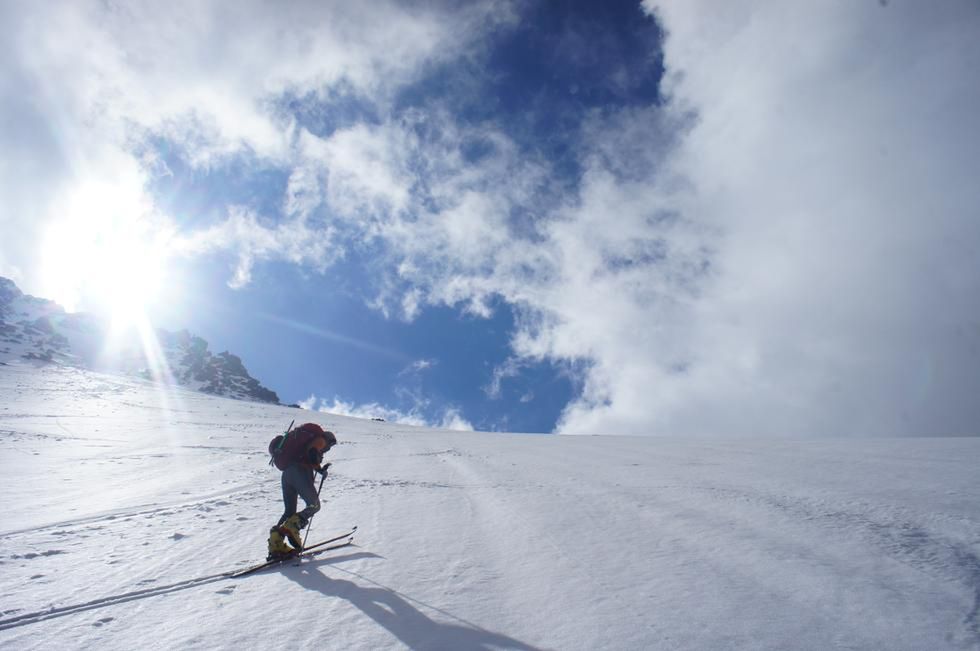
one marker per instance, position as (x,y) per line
(395,611)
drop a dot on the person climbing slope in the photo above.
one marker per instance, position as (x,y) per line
(298,454)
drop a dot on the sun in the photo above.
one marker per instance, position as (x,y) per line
(126,277)
(106,254)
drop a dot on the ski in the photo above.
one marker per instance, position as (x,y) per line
(311,554)
(309,550)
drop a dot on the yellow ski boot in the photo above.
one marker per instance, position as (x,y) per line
(278,549)
(291,527)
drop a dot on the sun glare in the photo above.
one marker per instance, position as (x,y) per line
(104,255)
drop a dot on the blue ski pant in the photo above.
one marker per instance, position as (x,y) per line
(297,480)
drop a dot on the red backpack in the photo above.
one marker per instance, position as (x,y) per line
(289,447)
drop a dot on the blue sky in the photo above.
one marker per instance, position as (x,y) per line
(624,217)
(536,81)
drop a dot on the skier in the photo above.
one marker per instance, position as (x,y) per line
(298,454)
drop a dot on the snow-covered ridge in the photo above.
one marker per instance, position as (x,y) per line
(39,329)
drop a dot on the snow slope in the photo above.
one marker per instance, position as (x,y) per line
(118,496)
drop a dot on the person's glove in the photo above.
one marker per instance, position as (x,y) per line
(323,469)
(314,456)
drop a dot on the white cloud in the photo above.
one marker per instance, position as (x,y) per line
(204,72)
(418,366)
(363,170)
(451,418)
(789,246)
(309,403)
(244,234)
(833,156)
(444,218)
(85,83)
(509,369)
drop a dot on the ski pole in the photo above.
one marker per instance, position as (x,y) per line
(309,525)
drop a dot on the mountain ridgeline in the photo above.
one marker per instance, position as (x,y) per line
(40,330)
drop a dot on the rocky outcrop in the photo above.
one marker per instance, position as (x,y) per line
(41,331)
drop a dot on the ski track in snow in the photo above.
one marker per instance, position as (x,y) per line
(206,504)
(123,513)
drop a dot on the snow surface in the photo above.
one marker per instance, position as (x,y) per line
(119,496)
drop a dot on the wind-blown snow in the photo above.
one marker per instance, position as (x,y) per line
(119,496)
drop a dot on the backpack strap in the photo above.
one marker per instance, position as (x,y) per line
(274,450)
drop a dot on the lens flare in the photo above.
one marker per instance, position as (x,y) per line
(106,253)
